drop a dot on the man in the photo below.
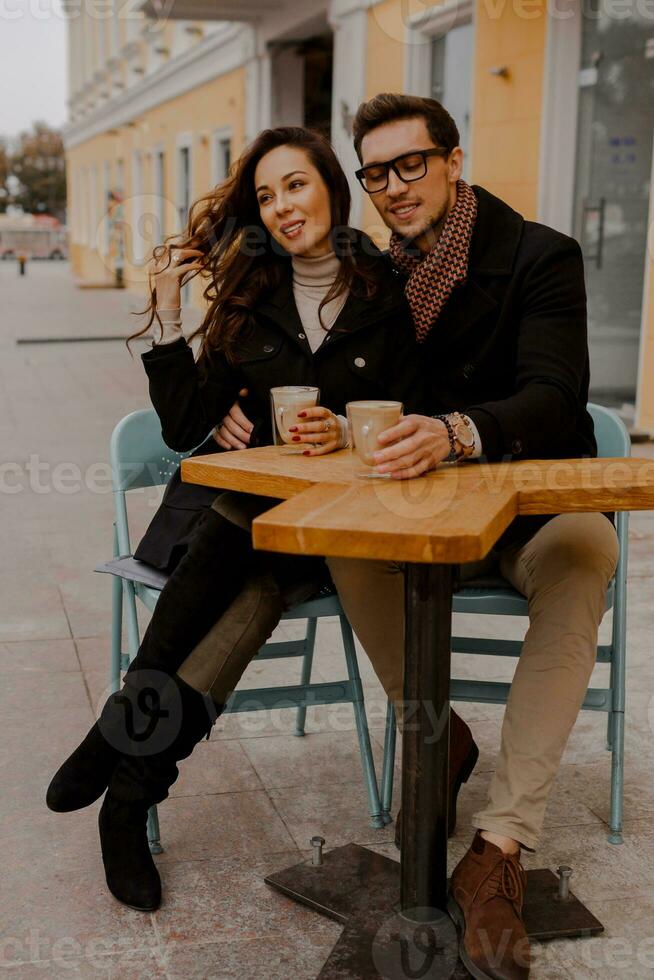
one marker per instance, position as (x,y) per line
(499,306)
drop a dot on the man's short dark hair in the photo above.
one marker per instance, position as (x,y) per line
(389,107)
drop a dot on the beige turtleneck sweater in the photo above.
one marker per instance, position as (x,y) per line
(312,280)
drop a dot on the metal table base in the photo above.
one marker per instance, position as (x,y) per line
(360,889)
(394,914)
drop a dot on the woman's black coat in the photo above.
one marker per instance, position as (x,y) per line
(370,352)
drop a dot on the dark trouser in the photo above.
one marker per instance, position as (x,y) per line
(202,586)
(223,600)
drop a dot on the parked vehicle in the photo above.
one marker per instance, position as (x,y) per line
(38,236)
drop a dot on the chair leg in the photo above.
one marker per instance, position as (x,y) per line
(611,715)
(617,779)
(154,837)
(307,663)
(388,769)
(133,640)
(116,632)
(367,761)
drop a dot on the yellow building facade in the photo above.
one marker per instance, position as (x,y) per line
(551,99)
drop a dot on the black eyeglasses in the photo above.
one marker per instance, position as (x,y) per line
(408,167)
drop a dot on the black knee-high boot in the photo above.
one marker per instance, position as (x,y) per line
(183,718)
(198,592)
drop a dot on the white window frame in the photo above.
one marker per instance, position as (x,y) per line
(560,107)
(421,30)
(106,187)
(159,186)
(184,141)
(84,206)
(139,247)
(223,134)
(93,207)
(84,211)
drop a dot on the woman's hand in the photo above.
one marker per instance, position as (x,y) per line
(167,273)
(322,429)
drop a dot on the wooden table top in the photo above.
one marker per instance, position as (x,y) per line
(454,514)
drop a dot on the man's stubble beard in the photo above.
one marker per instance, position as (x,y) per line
(430,231)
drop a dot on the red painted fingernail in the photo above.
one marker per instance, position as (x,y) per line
(297,439)
(307,452)
(292,428)
(301,415)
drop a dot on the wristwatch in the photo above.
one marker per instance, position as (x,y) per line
(462,438)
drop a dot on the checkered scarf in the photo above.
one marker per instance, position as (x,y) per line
(433,277)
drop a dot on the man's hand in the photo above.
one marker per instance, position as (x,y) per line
(419,444)
(234,430)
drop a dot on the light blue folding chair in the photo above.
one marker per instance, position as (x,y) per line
(500,599)
(140,459)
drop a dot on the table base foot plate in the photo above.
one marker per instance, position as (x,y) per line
(360,889)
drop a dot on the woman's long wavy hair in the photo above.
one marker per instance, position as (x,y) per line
(242,260)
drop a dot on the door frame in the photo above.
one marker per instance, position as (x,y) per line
(222,134)
(560,108)
(559,130)
(421,30)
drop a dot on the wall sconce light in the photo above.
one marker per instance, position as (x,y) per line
(499,71)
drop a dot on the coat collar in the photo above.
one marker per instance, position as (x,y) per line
(495,238)
(493,248)
(357,312)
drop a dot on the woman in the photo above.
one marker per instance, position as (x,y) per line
(294,297)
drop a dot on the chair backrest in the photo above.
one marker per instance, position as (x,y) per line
(139,457)
(610,432)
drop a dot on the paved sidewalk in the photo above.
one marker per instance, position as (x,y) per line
(248,800)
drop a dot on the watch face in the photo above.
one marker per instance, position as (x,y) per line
(464,434)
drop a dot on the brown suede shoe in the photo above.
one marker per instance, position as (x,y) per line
(463,759)
(486,895)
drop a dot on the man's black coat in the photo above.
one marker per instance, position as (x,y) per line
(510,346)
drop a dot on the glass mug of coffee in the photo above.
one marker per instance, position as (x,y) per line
(285,402)
(367,420)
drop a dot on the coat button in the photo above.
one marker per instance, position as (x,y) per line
(268,349)
(516,447)
(302,336)
(468,371)
(360,361)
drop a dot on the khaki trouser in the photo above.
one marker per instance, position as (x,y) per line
(564,571)
(218,662)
